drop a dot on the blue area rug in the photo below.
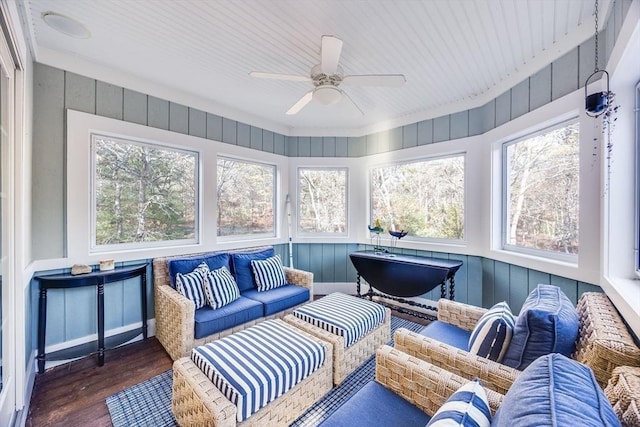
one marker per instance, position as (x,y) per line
(149,403)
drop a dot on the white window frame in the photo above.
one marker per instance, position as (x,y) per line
(346,195)
(276,192)
(412,238)
(538,253)
(94,246)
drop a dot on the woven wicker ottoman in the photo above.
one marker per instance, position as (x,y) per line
(266,375)
(623,392)
(356,328)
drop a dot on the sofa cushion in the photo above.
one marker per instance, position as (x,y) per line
(220,288)
(548,323)
(268,273)
(492,334)
(209,321)
(242,267)
(189,263)
(190,284)
(376,405)
(468,406)
(555,391)
(279,299)
(447,333)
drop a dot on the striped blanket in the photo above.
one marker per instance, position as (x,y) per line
(343,315)
(255,366)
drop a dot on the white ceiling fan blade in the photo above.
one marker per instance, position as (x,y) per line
(277,76)
(330,54)
(375,80)
(302,102)
(353,104)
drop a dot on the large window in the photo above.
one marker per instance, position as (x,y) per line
(246,198)
(424,198)
(143,193)
(322,200)
(540,180)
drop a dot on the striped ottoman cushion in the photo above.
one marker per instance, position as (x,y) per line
(343,315)
(256,366)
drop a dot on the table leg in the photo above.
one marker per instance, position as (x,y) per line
(101,324)
(42,326)
(452,289)
(358,284)
(443,289)
(143,289)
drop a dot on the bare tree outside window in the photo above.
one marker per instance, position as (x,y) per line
(541,181)
(322,195)
(245,198)
(424,198)
(143,193)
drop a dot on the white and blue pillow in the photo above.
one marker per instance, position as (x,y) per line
(492,334)
(467,407)
(220,288)
(268,273)
(190,284)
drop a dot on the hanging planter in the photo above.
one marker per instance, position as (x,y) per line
(597,103)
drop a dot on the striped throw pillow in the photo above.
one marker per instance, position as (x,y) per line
(468,406)
(220,288)
(190,284)
(492,334)
(268,273)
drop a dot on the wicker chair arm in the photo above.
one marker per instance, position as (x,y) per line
(493,375)
(175,322)
(300,278)
(459,314)
(196,401)
(421,383)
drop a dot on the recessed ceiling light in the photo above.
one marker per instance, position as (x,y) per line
(66,25)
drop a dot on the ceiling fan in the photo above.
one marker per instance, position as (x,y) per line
(328,75)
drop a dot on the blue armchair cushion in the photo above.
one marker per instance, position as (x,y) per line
(268,273)
(220,288)
(209,321)
(279,299)
(376,405)
(447,333)
(548,323)
(190,284)
(188,264)
(492,334)
(467,407)
(242,267)
(555,391)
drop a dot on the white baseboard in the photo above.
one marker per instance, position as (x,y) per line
(151,331)
(325,288)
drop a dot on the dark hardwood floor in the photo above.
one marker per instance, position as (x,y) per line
(74,394)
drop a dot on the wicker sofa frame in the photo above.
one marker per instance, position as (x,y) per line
(347,360)
(603,343)
(197,402)
(175,324)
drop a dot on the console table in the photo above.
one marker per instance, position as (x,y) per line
(401,276)
(95,278)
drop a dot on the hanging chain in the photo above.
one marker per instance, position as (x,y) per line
(596,69)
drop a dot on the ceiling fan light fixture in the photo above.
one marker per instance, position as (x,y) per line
(327,94)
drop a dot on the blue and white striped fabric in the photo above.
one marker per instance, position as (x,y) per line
(255,366)
(190,284)
(268,273)
(492,334)
(468,407)
(220,288)
(343,315)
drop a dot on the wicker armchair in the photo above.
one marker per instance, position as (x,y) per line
(603,343)
(175,325)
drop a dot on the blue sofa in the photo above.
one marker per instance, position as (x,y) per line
(552,391)
(180,326)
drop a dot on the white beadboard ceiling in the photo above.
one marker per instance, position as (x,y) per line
(455,54)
